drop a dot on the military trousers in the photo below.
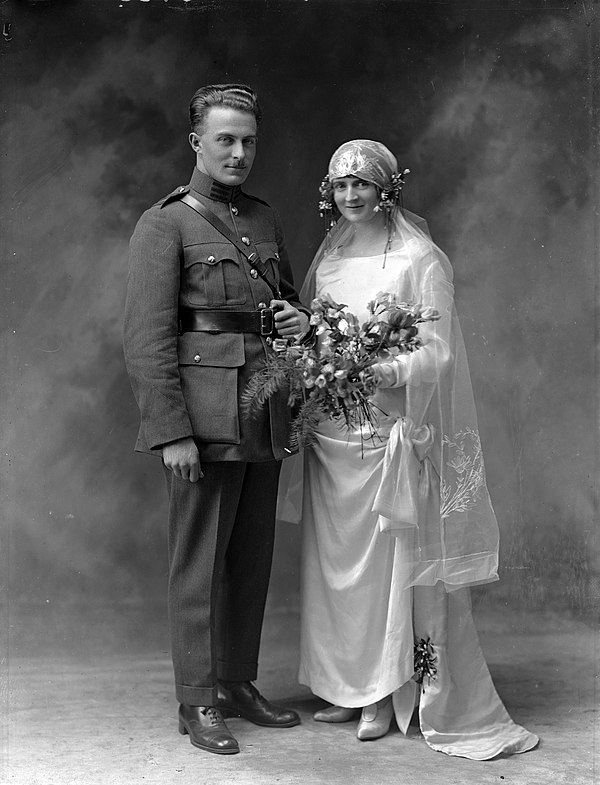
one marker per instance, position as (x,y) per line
(221,534)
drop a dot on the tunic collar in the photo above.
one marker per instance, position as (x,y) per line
(205,185)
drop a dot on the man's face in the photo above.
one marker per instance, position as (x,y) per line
(226,145)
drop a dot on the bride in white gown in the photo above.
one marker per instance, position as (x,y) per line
(397,525)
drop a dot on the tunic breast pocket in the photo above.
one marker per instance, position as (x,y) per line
(213,275)
(269,254)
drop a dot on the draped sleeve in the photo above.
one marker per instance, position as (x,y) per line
(433,289)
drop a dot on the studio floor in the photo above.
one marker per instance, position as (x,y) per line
(91,703)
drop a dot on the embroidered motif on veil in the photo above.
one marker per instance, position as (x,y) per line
(461,490)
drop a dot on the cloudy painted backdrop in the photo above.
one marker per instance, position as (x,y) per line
(491,108)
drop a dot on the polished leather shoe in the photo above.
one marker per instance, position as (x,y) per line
(375,720)
(207,729)
(335,714)
(242,699)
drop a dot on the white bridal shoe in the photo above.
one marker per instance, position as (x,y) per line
(335,714)
(375,720)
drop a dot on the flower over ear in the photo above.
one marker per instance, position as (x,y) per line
(390,194)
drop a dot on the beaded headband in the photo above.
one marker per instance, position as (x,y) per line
(370,161)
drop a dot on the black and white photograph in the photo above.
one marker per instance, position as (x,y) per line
(299,467)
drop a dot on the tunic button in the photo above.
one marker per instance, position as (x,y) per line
(211,259)
(234,210)
(253,273)
(197,358)
(269,341)
(246,240)
(262,305)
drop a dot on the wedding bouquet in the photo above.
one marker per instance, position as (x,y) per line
(334,377)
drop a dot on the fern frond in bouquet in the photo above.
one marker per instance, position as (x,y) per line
(271,378)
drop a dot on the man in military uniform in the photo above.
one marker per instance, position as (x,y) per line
(209,288)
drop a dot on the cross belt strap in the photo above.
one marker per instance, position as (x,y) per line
(250,253)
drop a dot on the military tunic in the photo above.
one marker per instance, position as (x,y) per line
(190,384)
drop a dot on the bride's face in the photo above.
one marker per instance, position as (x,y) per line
(356,199)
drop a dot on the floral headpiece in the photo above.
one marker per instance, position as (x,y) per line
(326,203)
(390,195)
(372,162)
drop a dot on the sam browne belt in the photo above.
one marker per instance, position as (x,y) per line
(250,254)
(260,322)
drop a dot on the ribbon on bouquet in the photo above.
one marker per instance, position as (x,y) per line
(406,476)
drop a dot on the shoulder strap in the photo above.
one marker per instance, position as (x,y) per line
(250,253)
(176,194)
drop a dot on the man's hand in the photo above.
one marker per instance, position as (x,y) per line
(183,459)
(289,321)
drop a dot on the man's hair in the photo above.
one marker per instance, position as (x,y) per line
(235,96)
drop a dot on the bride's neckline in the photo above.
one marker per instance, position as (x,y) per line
(347,253)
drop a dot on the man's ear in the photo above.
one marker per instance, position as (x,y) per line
(195,142)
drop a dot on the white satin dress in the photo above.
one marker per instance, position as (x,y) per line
(360,616)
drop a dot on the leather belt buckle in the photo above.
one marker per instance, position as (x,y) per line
(266,321)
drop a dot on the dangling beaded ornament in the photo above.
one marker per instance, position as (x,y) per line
(326,203)
(390,197)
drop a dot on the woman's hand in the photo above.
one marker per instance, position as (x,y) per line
(289,321)
(390,374)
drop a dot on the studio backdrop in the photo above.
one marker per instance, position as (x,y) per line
(490,106)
